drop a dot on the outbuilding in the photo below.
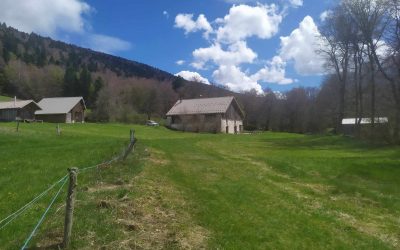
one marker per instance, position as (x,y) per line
(18,110)
(61,110)
(349,124)
(219,114)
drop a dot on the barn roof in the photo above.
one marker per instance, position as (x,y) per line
(16,104)
(58,105)
(216,105)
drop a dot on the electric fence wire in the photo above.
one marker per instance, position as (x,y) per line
(7,220)
(44,215)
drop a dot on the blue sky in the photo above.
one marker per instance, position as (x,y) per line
(241,44)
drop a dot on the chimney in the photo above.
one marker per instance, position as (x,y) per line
(15,101)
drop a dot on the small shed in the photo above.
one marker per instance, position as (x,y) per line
(18,110)
(62,110)
(219,114)
(349,124)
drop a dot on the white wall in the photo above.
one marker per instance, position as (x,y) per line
(231,126)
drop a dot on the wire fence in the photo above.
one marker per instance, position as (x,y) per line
(10,218)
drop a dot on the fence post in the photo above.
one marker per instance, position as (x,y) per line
(17,125)
(132,133)
(69,209)
(58,129)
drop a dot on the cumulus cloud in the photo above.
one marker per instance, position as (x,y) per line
(245,21)
(180,62)
(107,44)
(192,76)
(296,3)
(235,54)
(186,22)
(232,77)
(300,47)
(273,72)
(229,49)
(44,16)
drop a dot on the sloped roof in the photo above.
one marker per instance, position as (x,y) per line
(216,105)
(58,105)
(16,104)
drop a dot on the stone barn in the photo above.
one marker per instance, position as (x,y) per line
(18,110)
(62,110)
(220,114)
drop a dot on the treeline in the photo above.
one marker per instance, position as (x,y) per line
(362,42)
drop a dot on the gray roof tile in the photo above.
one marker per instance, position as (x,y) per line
(58,105)
(201,106)
(17,104)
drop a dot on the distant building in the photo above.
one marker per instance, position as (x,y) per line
(220,114)
(61,110)
(18,110)
(349,124)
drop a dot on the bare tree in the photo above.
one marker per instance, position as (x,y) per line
(337,34)
(379,23)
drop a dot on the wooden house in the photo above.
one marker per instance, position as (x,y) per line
(61,110)
(220,114)
(18,110)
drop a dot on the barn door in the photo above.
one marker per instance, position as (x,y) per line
(68,118)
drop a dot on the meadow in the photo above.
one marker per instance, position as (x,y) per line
(185,190)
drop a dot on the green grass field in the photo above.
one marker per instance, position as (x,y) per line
(5,98)
(184,190)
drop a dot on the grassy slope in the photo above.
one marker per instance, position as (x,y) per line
(5,98)
(271,190)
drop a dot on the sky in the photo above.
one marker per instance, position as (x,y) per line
(240,44)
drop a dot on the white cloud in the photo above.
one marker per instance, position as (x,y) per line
(232,77)
(324,15)
(192,76)
(235,54)
(273,72)
(166,14)
(186,22)
(244,21)
(300,47)
(44,16)
(296,3)
(107,44)
(180,62)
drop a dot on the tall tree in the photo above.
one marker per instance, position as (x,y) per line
(337,33)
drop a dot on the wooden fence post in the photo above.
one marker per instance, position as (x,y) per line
(130,146)
(17,125)
(58,129)
(132,135)
(69,209)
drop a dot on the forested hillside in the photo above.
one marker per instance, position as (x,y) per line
(116,89)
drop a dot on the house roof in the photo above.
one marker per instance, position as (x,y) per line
(16,104)
(216,105)
(58,105)
(352,121)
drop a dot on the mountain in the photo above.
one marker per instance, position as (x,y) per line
(41,51)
